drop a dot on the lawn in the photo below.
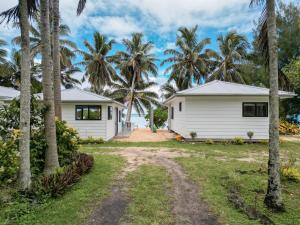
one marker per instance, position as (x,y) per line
(75,206)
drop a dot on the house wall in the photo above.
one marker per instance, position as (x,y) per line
(220,117)
(111,124)
(178,123)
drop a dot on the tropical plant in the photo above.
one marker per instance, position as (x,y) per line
(98,62)
(51,156)
(160,116)
(193,135)
(233,51)
(142,97)
(3,51)
(250,134)
(191,61)
(137,62)
(268,45)
(80,6)
(171,87)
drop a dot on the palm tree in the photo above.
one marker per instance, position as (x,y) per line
(3,52)
(233,50)
(66,76)
(137,61)
(98,63)
(171,88)
(142,97)
(268,45)
(51,156)
(191,60)
(81,6)
(20,14)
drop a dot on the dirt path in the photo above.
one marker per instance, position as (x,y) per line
(188,209)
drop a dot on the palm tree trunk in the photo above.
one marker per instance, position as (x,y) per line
(130,103)
(56,60)
(24,142)
(273,198)
(51,157)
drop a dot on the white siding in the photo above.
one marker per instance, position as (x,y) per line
(85,128)
(221,118)
(178,123)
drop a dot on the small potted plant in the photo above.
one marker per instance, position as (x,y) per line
(193,135)
(250,134)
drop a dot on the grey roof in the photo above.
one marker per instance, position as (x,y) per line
(79,95)
(7,93)
(221,88)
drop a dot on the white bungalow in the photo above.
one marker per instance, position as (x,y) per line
(7,94)
(221,110)
(92,115)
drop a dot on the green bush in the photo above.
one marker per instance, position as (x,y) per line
(160,116)
(9,162)
(209,142)
(193,135)
(238,141)
(91,140)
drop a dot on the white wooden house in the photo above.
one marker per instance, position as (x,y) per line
(221,110)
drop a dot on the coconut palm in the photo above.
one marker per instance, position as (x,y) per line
(3,52)
(80,6)
(20,15)
(170,88)
(51,156)
(233,51)
(191,61)
(142,97)
(268,45)
(98,62)
(138,61)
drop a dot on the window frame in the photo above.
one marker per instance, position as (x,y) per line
(180,106)
(172,112)
(256,114)
(88,107)
(109,112)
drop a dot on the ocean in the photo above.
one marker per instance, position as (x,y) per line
(139,121)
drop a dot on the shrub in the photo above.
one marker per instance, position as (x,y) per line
(287,128)
(91,140)
(9,162)
(160,116)
(193,135)
(250,134)
(56,184)
(238,141)
(291,174)
(209,141)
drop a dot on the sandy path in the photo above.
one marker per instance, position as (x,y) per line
(187,207)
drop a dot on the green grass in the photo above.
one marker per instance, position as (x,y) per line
(210,174)
(76,205)
(150,201)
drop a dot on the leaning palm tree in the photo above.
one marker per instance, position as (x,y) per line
(98,62)
(191,60)
(51,156)
(137,61)
(20,15)
(3,52)
(233,50)
(268,46)
(80,6)
(142,97)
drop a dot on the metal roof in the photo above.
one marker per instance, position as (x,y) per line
(222,88)
(8,93)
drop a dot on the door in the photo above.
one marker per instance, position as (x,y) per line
(116,121)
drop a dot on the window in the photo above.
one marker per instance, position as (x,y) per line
(109,112)
(180,106)
(88,112)
(172,113)
(255,109)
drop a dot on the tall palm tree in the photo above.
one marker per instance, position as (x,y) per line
(142,96)
(233,50)
(3,52)
(191,61)
(80,6)
(51,156)
(138,61)
(170,88)
(98,62)
(268,45)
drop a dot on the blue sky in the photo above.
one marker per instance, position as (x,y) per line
(157,19)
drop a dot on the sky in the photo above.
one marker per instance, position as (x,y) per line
(157,19)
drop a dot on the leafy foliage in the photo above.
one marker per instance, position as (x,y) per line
(238,141)
(91,140)
(160,116)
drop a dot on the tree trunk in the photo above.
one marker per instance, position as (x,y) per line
(130,103)
(273,198)
(51,157)
(56,60)
(24,142)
